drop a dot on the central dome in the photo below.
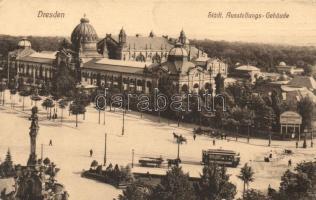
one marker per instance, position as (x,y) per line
(178,53)
(84,34)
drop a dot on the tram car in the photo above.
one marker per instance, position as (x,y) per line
(222,157)
(150,161)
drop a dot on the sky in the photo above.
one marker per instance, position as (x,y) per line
(163,17)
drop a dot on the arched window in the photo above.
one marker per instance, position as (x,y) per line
(184,88)
(140,58)
(207,86)
(156,59)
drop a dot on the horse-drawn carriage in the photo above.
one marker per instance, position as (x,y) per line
(173,162)
(150,161)
(206,131)
(201,131)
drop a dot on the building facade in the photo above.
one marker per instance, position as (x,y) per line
(121,63)
(140,48)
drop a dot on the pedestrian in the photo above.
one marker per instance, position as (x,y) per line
(296,144)
(50,142)
(225,136)
(290,163)
(213,142)
(222,136)
(194,136)
(91,152)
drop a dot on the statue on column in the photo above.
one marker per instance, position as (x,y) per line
(32,161)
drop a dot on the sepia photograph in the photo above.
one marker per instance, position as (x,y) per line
(157,100)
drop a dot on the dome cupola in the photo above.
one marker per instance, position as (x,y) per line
(84,36)
(178,53)
(24,43)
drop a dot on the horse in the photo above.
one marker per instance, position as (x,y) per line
(175,136)
(182,139)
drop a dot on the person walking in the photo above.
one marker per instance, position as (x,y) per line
(194,136)
(290,163)
(50,142)
(91,152)
(213,142)
(296,144)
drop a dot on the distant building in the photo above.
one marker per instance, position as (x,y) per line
(149,48)
(179,73)
(303,82)
(292,70)
(247,71)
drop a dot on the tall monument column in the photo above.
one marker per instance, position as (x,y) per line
(33,133)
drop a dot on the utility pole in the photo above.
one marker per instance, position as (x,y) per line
(99,114)
(123,122)
(8,70)
(304,143)
(104,116)
(133,153)
(270,128)
(248,134)
(42,149)
(312,136)
(104,161)
(178,141)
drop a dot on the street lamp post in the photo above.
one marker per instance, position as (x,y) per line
(312,135)
(304,143)
(269,137)
(105,142)
(237,128)
(133,153)
(248,137)
(178,155)
(123,128)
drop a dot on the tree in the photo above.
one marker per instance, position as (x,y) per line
(308,70)
(276,106)
(44,89)
(35,97)
(297,185)
(64,81)
(254,195)
(78,106)
(305,108)
(24,93)
(7,165)
(137,190)
(214,184)
(12,92)
(219,84)
(46,161)
(94,164)
(62,105)
(48,104)
(2,90)
(174,186)
(294,186)
(246,175)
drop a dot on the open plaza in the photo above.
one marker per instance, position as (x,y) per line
(143,134)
